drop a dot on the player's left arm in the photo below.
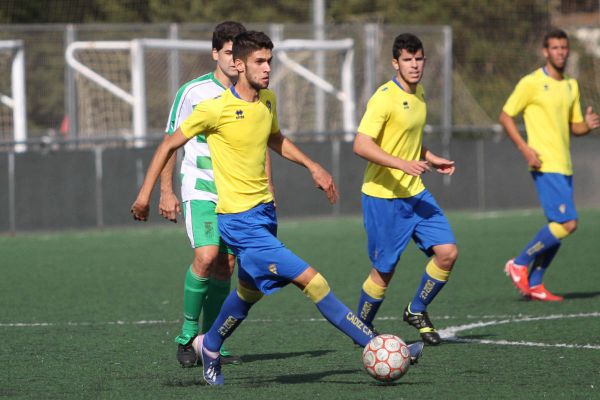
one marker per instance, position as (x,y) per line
(322,179)
(591,121)
(440,164)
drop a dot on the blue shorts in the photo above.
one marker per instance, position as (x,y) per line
(263,260)
(555,192)
(391,223)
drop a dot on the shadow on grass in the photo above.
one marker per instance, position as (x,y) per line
(278,356)
(320,377)
(176,382)
(581,295)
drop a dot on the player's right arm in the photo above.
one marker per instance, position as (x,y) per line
(165,150)
(510,127)
(518,100)
(168,205)
(365,147)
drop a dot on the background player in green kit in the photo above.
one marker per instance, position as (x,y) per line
(396,205)
(549,100)
(206,283)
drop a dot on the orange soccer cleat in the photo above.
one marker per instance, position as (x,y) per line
(539,292)
(518,276)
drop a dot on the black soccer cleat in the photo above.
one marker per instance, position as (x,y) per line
(423,324)
(186,355)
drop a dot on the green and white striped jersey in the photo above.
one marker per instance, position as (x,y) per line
(197,178)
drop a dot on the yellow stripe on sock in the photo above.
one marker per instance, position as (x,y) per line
(436,272)
(373,289)
(317,288)
(248,295)
(558,230)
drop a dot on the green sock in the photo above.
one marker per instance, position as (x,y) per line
(195,289)
(216,295)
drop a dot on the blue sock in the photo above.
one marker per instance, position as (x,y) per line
(540,264)
(368,307)
(540,243)
(233,312)
(426,291)
(345,320)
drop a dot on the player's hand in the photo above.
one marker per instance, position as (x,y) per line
(169,206)
(415,168)
(140,210)
(592,120)
(532,157)
(324,181)
(441,165)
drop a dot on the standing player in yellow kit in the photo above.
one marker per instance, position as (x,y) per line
(549,100)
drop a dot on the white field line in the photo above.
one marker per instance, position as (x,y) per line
(449,333)
(250,320)
(446,332)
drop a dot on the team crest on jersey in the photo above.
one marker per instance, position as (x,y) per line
(405,105)
(273,269)
(239,114)
(546,87)
(562,208)
(268,104)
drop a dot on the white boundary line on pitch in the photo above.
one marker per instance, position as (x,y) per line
(449,333)
(263,320)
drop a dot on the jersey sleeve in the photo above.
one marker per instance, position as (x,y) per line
(269,99)
(376,116)
(519,99)
(180,110)
(575,115)
(203,119)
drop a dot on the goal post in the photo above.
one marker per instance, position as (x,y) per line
(12,53)
(132,88)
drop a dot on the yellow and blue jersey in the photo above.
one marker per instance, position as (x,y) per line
(549,106)
(237,132)
(394,119)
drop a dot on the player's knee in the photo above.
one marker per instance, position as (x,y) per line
(203,260)
(562,230)
(317,288)
(570,226)
(446,257)
(247,294)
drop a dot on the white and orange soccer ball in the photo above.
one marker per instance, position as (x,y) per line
(386,358)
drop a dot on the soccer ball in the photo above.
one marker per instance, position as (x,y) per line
(386,358)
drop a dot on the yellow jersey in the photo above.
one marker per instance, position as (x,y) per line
(548,106)
(395,120)
(237,132)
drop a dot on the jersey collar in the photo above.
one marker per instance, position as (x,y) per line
(398,83)
(235,93)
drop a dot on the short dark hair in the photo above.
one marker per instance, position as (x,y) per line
(248,42)
(225,32)
(555,34)
(408,42)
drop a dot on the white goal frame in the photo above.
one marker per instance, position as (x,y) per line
(17,99)
(137,97)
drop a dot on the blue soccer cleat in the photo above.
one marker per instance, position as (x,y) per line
(416,350)
(211,366)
